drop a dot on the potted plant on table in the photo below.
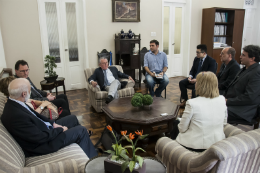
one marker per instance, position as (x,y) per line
(50,65)
(126,164)
(139,100)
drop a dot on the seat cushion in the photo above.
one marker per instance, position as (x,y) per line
(12,157)
(72,151)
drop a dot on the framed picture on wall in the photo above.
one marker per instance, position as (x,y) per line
(126,10)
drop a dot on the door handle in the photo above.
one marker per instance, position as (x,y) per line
(173,43)
(66,49)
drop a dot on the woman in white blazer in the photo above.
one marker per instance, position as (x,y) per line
(202,122)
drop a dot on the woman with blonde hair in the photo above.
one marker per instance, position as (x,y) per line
(203,119)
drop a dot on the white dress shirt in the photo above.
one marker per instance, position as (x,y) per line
(110,76)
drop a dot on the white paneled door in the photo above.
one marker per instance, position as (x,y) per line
(61,25)
(173,17)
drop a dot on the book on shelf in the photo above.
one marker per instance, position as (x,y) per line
(220,30)
(221,17)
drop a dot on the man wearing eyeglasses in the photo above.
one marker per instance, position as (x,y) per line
(243,93)
(202,62)
(22,71)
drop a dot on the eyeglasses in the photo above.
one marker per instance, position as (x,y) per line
(199,52)
(104,63)
(24,71)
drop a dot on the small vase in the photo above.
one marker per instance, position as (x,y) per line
(122,34)
(136,49)
(147,107)
(130,34)
(114,167)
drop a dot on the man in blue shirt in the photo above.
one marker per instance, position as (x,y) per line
(155,65)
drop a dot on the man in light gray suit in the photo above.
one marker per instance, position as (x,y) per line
(243,93)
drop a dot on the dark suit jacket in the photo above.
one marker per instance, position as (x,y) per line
(228,75)
(209,64)
(98,76)
(243,93)
(34,95)
(31,133)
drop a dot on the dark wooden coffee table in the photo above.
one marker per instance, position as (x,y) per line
(121,115)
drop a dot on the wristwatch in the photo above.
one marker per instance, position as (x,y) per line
(41,107)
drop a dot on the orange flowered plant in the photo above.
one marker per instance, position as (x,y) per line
(131,136)
(109,128)
(119,151)
(123,133)
(135,158)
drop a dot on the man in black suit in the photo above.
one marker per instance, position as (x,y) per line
(243,94)
(22,71)
(107,79)
(228,69)
(36,134)
(202,62)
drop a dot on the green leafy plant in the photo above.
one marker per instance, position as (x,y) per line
(147,99)
(139,99)
(119,151)
(131,163)
(50,64)
(139,94)
(136,101)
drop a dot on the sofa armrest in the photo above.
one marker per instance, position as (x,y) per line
(230,130)
(94,89)
(65,166)
(130,83)
(169,150)
(173,154)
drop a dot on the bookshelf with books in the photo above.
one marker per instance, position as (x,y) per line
(222,27)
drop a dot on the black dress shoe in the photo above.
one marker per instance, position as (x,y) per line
(109,99)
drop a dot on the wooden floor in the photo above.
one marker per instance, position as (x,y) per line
(88,117)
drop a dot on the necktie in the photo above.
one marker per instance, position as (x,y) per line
(199,68)
(36,91)
(105,78)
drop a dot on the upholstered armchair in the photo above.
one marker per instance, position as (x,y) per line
(238,152)
(97,97)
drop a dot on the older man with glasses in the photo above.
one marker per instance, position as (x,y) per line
(202,62)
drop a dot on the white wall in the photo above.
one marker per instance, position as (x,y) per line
(101,30)
(19,21)
(2,53)
(196,19)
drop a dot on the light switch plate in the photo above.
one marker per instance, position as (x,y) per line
(153,34)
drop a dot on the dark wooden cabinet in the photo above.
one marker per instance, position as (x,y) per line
(234,30)
(124,56)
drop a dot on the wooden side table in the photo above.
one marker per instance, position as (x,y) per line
(52,85)
(96,165)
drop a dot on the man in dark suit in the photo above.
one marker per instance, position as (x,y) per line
(36,134)
(243,94)
(202,62)
(107,78)
(228,69)
(22,71)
